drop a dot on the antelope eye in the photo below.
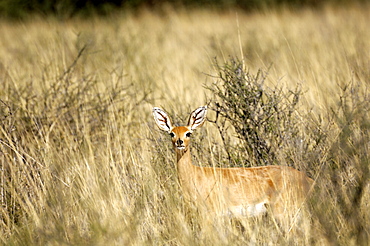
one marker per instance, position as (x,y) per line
(188,134)
(172,135)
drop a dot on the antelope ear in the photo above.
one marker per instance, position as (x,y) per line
(162,120)
(197,118)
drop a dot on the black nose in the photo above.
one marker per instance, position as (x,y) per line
(179,142)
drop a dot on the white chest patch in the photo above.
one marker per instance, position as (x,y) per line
(248,210)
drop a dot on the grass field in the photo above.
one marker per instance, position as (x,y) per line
(82,162)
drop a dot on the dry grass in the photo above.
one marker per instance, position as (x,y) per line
(83,164)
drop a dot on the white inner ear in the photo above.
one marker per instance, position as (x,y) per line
(162,120)
(197,118)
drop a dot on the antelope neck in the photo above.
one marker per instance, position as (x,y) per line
(186,170)
(183,155)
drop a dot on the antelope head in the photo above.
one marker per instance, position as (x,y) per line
(180,135)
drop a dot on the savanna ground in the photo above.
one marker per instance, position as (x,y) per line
(82,162)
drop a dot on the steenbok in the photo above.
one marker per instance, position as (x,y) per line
(236,192)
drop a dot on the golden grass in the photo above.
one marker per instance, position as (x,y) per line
(81,165)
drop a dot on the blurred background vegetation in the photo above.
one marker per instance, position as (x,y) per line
(82,162)
(68,8)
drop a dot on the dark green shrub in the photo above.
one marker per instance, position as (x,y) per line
(264,119)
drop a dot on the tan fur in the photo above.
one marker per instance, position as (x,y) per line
(245,192)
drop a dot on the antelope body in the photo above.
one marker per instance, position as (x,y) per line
(239,192)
